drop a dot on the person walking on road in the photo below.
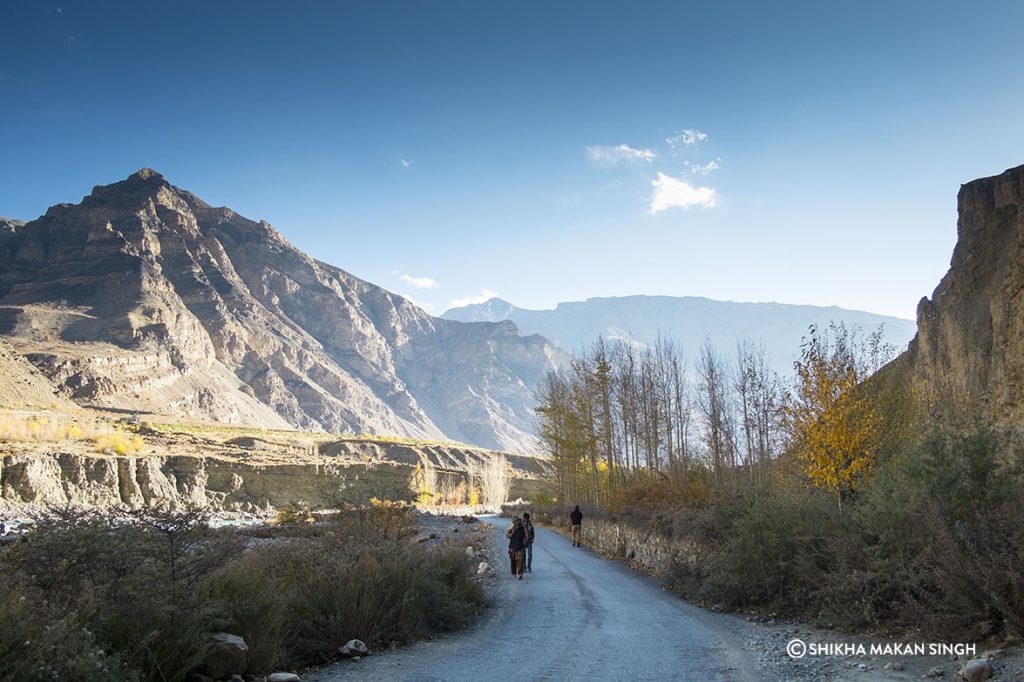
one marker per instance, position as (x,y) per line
(576,519)
(528,544)
(516,546)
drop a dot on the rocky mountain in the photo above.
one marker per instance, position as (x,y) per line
(686,320)
(145,298)
(968,355)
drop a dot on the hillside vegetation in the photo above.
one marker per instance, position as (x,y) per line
(830,495)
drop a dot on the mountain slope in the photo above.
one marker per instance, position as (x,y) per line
(144,297)
(22,386)
(686,320)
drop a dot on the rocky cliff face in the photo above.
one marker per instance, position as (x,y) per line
(145,298)
(241,476)
(969,350)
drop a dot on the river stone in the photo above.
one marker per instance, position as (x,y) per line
(354,648)
(283,677)
(976,670)
(225,655)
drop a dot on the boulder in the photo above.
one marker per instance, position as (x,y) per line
(976,670)
(354,649)
(225,655)
(283,677)
(483,568)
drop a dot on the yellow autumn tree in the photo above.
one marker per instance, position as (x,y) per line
(829,417)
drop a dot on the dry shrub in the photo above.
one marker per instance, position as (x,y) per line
(134,585)
(119,443)
(935,545)
(651,496)
(135,597)
(18,427)
(298,601)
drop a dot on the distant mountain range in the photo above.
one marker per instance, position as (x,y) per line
(145,298)
(686,320)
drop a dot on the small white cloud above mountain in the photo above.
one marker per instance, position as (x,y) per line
(686,138)
(406,163)
(703,169)
(419,282)
(605,155)
(670,192)
(471,299)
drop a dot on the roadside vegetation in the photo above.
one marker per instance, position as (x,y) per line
(485,484)
(136,596)
(830,495)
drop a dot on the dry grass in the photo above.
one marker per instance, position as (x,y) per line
(119,443)
(20,427)
(294,438)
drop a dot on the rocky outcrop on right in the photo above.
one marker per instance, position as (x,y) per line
(968,355)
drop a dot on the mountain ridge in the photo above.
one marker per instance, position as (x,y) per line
(688,320)
(143,296)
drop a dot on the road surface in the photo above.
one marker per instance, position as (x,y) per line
(576,617)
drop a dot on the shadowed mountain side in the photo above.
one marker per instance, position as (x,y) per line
(968,355)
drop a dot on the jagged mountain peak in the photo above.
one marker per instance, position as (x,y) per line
(144,174)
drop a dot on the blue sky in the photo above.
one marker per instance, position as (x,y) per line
(544,151)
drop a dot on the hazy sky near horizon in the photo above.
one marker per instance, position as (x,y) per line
(800,152)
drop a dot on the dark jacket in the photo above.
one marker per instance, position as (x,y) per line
(517,538)
(576,517)
(528,527)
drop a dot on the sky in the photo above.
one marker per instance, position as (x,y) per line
(799,152)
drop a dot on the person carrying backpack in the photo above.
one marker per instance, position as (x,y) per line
(576,519)
(528,545)
(516,546)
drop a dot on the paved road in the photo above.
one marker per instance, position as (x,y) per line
(576,617)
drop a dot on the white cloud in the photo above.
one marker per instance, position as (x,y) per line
(405,162)
(604,155)
(698,169)
(687,138)
(484,296)
(672,192)
(419,282)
